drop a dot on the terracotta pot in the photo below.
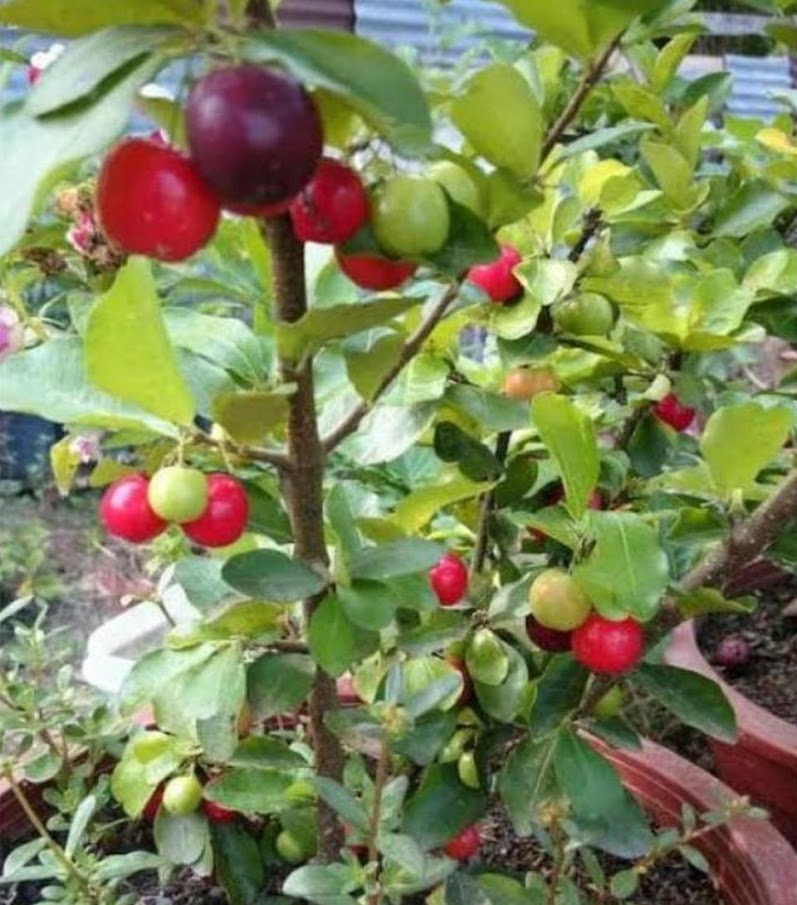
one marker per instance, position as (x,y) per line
(763,763)
(750,860)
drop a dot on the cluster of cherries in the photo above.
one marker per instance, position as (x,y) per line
(212,510)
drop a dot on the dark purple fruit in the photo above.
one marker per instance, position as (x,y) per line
(548,639)
(254,134)
(732,652)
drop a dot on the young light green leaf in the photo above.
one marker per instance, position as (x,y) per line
(71,18)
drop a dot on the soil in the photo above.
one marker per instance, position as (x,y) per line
(767,676)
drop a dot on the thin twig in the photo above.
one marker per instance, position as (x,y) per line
(487,506)
(411,347)
(275,457)
(592,224)
(380,781)
(630,425)
(591,76)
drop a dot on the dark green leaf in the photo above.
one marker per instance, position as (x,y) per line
(441,807)
(262,752)
(559,692)
(474,459)
(323,884)
(238,862)
(333,638)
(278,683)
(341,800)
(272,576)
(527,781)
(469,242)
(251,790)
(493,411)
(401,557)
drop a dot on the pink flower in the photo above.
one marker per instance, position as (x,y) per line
(86,447)
(12,333)
(41,60)
(83,234)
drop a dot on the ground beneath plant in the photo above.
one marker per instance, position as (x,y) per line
(767,676)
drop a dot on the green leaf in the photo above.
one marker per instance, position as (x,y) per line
(128,353)
(181,839)
(320,325)
(426,683)
(248,416)
(558,692)
(422,505)
(82,70)
(77,17)
(486,658)
(266,516)
(605,813)
(401,850)
(441,807)
(37,151)
(739,440)
(238,863)
(43,767)
(694,699)
(527,780)
(752,206)
(272,576)
(341,800)
(367,369)
(469,242)
(262,752)
(119,867)
(625,883)
(569,436)
(474,459)
(581,27)
(627,572)
(200,578)
(368,604)
(708,600)
(323,884)
(332,637)
(78,826)
(502,702)
(372,80)
(277,683)
(401,557)
(250,790)
(494,411)
(49,381)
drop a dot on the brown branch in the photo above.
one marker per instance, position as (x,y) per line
(409,350)
(591,76)
(592,224)
(279,459)
(487,506)
(380,781)
(303,486)
(630,425)
(260,14)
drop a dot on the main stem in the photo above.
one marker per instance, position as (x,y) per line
(303,486)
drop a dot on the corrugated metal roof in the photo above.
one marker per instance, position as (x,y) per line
(754,81)
(318,13)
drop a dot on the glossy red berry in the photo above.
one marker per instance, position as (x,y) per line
(464,845)
(125,510)
(225,517)
(332,207)
(217,813)
(449,579)
(152,201)
(497,279)
(547,639)
(609,647)
(152,807)
(371,271)
(254,133)
(672,412)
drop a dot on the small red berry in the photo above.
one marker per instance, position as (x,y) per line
(225,517)
(609,647)
(548,639)
(152,807)
(372,271)
(497,279)
(217,813)
(464,845)
(152,201)
(332,207)
(672,412)
(125,510)
(449,579)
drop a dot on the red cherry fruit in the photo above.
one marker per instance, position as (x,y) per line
(217,813)
(125,510)
(464,845)
(254,133)
(152,807)
(497,279)
(225,517)
(548,639)
(672,412)
(332,207)
(261,211)
(152,201)
(449,579)
(609,647)
(370,271)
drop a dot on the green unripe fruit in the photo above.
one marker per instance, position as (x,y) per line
(610,704)
(588,314)
(459,185)
(455,746)
(290,849)
(409,216)
(557,602)
(486,658)
(178,494)
(468,771)
(182,795)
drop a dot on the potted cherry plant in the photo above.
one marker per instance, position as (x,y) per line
(478,556)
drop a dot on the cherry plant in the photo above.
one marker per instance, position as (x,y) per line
(439,378)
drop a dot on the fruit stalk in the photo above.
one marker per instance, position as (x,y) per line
(303,485)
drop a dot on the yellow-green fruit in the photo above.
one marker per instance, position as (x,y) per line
(290,849)
(501,119)
(456,181)
(467,770)
(182,795)
(588,314)
(455,746)
(409,216)
(610,704)
(557,602)
(178,494)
